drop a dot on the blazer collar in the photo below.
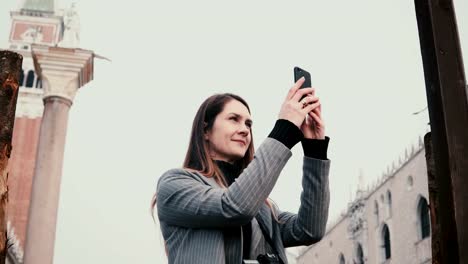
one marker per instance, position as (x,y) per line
(265,220)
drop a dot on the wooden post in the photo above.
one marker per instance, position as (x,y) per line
(448,112)
(433,201)
(10,67)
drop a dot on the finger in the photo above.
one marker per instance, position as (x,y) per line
(310,99)
(316,118)
(295,87)
(310,107)
(304,123)
(302,92)
(310,120)
(318,111)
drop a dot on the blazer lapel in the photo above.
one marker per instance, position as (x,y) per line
(256,235)
(232,236)
(264,219)
(279,243)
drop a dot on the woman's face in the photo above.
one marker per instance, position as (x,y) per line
(230,136)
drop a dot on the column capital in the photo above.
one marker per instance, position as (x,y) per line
(62,70)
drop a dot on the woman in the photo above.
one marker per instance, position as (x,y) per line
(216,209)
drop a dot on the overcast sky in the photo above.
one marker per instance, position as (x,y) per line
(132,122)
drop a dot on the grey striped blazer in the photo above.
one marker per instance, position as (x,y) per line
(201,222)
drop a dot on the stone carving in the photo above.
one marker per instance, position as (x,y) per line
(32,35)
(64,85)
(71,34)
(357,222)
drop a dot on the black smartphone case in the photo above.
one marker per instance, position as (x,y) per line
(298,73)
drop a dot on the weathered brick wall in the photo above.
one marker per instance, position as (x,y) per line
(21,169)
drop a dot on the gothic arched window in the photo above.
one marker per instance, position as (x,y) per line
(359,254)
(342,259)
(21,78)
(389,203)
(423,217)
(30,79)
(376,212)
(387,252)
(39,83)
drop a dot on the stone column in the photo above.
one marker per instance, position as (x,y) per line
(63,72)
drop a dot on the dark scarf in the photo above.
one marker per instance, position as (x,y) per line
(231,172)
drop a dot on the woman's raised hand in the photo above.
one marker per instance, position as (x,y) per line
(298,103)
(313,127)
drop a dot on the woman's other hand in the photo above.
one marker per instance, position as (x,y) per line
(295,109)
(313,126)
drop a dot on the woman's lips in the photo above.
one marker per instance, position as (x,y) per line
(240,141)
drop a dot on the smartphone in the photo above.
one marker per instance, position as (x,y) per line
(298,73)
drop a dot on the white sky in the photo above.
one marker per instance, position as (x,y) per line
(133,121)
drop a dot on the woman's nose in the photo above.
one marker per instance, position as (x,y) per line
(244,130)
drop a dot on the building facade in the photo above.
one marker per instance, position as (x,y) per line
(388,222)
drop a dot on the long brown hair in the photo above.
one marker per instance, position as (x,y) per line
(198,155)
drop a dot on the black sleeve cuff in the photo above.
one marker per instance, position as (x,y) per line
(286,132)
(315,148)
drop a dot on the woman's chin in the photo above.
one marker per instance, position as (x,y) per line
(237,156)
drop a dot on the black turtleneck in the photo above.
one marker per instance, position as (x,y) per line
(231,172)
